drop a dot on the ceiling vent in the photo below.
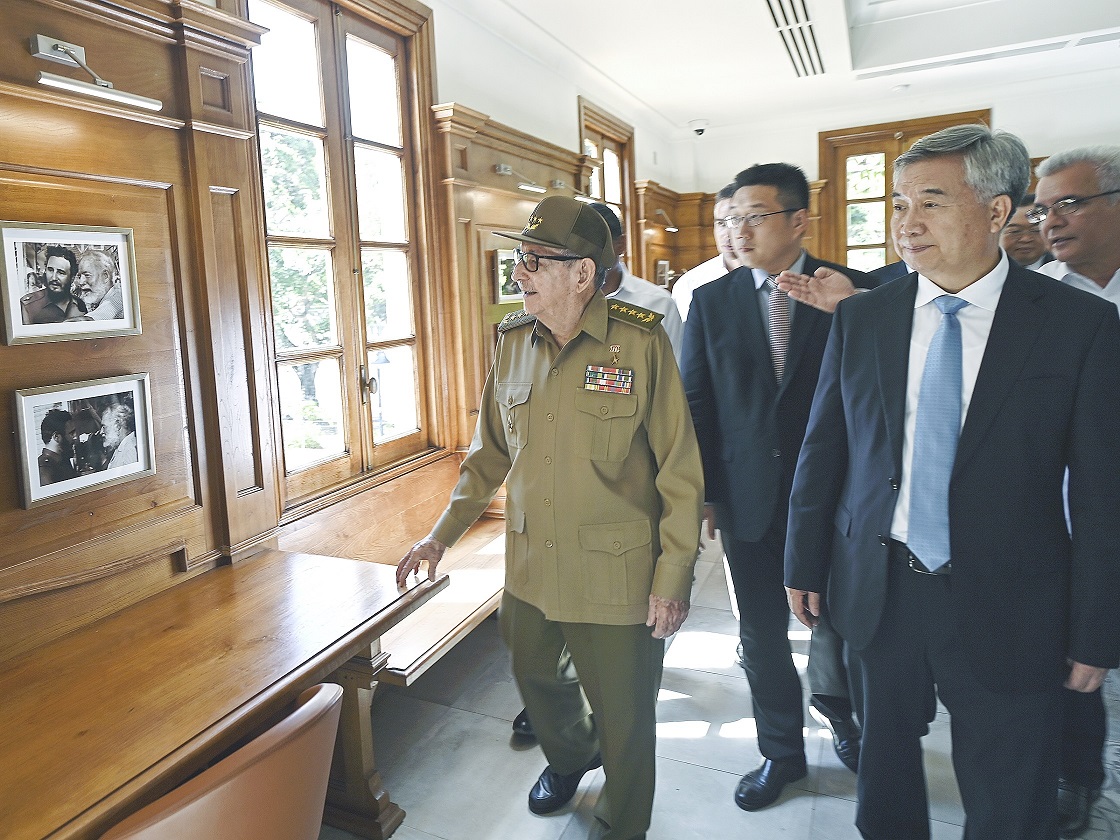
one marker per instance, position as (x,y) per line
(791,19)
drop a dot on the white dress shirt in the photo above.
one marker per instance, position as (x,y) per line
(642,293)
(693,279)
(760,278)
(976,323)
(1061,271)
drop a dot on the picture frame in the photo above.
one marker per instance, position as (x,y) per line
(98,264)
(82,436)
(506,288)
(662,273)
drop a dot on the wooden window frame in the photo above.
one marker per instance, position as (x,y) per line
(595,120)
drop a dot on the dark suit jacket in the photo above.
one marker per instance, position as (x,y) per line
(750,429)
(891,271)
(1024,595)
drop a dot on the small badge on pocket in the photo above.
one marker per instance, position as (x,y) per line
(614,380)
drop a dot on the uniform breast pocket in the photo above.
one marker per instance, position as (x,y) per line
(513,402)
(606,424)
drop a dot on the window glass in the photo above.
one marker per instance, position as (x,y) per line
(286,65)
(380,186)
(612,177)
(867,223)
(303,309)
(388,295)
(867,259)
(295,183)
(310,412)
(392,398)
(867,176)
(372,78)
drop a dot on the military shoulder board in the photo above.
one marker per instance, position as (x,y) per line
(516,319)
(635,315)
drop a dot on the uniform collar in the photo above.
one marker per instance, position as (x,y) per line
(593,321)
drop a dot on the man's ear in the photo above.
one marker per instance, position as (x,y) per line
(587,270)
(1001,210)
(620,246)
(800,220)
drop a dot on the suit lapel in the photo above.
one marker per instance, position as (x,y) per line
(1015,328)
(745,310)
(893,324)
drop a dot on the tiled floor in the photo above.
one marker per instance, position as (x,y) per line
(447,757)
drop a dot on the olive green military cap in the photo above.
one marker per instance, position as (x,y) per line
(561,222)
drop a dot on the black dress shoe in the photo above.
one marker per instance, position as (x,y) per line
(553,791)
(763,786)
(522,726)
(845,737)
(1074,804)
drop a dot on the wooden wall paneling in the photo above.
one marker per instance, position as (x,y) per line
(656,243)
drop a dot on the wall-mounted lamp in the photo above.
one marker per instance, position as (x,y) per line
(669,226)
(527,183)
(72,55)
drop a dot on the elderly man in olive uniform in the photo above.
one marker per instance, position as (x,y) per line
(584,417)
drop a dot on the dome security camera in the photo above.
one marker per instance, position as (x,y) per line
(698,126)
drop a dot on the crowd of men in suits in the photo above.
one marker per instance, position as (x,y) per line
(919,463)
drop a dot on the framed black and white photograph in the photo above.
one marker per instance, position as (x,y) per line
(63,282)
(77,437)
(507,289)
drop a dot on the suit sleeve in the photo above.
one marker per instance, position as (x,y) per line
(697,377)
(1094,503)
(821,469)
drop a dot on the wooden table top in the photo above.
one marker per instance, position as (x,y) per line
(100,717)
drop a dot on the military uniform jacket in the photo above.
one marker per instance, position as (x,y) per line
(604,488)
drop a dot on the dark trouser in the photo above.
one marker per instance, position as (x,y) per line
(619,674)
(1084,730)
(834,677)
(757,572)
(1005,746)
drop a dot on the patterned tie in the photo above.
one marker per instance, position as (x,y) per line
(778,326)
(936,431)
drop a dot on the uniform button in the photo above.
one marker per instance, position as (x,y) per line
(550,417)
(509,401)
(617,545)
(547,459)
(775,453)
(548,502)
(548,543)
(882,540)
(894,484)
(555,372)
(603,409)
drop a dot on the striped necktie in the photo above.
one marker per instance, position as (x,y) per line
(777,321)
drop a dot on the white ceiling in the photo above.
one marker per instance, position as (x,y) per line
(723,61)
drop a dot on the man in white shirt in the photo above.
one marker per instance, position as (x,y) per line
(622,285)
(718,266)
(1077,210)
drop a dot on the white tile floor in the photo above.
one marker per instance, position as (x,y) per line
(447,757)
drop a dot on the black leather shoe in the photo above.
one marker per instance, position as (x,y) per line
(553,791)
(763,786)
(1074,803)
(522,726)
(845,737)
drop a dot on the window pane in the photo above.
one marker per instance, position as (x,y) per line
(295,183)
(380,184)
(867,259)
(392,399)
(589,148)
(595,189)
(867,176)
(302,298)
(372,76)
(867,223)
(310,412)
(612,177)
(388,295)
(286,65)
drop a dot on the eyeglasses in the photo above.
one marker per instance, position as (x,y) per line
(1015,231)
(533,261)
(1065,207)
(753,220)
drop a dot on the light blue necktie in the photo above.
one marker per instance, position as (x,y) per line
(936,432)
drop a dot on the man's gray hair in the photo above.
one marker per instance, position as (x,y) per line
(1104,159)
(995,162)
(103,260)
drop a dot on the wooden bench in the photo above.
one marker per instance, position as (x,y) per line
(476,566)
